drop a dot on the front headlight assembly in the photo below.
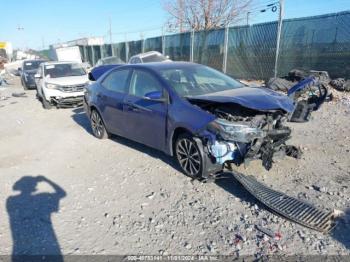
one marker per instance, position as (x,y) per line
(234,132)
(52,86)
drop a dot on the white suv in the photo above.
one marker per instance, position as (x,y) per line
(61,84)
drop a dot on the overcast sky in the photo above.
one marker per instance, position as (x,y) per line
(38,23)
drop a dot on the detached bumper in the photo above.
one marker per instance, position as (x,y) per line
(68,101)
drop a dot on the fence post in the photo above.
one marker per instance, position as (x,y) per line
(224,64)
(101,50)
(126,52)
(279,30)
(85,55)
(163,41)
(112,50)
(192,45)
(93,55)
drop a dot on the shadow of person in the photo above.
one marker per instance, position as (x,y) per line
(341,232)
(30,219)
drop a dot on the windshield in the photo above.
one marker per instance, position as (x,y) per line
(64,70)
(154,58)
(32,65)
(198,80)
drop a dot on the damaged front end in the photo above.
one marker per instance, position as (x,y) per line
(239,134)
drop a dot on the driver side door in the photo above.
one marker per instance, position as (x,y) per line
(145,118)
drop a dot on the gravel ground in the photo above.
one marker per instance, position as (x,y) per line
(119,197)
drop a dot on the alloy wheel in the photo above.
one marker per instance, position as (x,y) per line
(188,156)
(97,124)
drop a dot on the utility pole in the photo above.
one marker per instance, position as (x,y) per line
(21,28)
(181,15)
(110,30)
(248,13)
(279,30)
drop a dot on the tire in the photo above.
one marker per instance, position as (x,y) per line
(46,104)
(188,156)
(97,125)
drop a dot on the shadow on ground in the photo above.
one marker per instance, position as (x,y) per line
(232,186)
(341,232)
(30,219)
(81,119)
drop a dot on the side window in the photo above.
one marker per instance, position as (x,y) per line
(143,83)
(116,81)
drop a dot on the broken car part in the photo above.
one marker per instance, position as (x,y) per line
(289,207)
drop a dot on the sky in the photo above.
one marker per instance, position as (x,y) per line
(39,23)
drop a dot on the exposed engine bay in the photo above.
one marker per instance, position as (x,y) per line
(240,134)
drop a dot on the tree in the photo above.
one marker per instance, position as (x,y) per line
(204,14)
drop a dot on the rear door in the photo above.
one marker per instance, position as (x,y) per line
(145,119)
(110,100)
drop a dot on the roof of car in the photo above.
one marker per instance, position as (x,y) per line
(149,53)
(162,65)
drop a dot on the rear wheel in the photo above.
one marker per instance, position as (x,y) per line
(189,156)
(97,125)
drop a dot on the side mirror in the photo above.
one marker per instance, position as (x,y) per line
(37,76)
(155,96)
(19,69)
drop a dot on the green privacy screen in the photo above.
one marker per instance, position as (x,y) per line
(318,42)
(153,44)
(208,48)
(178,46)
(251,51)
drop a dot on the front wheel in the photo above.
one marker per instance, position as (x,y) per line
(97,125)
(189,156)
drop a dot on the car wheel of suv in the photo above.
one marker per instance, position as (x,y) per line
(46,104)
(189,156)
(97,125)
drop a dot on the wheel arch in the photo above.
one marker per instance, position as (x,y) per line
(175,134)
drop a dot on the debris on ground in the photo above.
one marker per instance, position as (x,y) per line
(309,90)
(340,84)
(289,207)
(21,94)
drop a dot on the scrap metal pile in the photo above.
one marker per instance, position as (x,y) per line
(308,89)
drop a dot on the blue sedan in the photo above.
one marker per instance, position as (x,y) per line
(202,117)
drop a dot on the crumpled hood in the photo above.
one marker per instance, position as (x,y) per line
(262,99)
(68,81)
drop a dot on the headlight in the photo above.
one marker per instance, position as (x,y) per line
(234,132)
(52,86)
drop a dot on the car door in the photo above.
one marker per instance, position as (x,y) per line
(110,99)
(145,119)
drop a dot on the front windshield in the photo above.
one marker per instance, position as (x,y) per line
(32,65)
(198,80)
(64,70)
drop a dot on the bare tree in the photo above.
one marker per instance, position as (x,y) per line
(204,14)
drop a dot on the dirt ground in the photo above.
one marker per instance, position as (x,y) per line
(119,197)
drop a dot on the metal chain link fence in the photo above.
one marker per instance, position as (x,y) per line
(248,52)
